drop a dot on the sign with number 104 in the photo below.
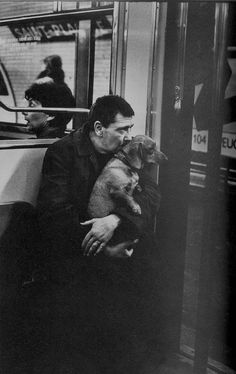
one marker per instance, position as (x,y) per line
(228,144)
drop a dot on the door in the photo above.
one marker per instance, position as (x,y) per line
(194,227)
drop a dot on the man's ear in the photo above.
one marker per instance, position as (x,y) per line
(98,128)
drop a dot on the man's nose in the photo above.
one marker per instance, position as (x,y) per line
(127,138)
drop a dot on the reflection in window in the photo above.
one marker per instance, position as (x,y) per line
(85,54)
(102,60)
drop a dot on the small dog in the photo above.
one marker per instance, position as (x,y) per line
(120,178)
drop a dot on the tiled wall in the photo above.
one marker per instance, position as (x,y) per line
(20,8)
(23,61)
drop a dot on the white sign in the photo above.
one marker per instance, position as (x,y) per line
(199,141)
(228,144)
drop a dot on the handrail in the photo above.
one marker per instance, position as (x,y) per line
(43,109)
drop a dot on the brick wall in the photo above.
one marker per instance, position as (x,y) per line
(20,8)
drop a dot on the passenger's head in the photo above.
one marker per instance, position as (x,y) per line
(53,69)
(110,121)
(53,62)
(46,93)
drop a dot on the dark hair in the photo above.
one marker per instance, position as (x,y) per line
(106,108)
(50,94)
(53,69)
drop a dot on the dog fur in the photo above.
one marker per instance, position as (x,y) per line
(120,178)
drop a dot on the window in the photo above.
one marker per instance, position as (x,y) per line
(82,41)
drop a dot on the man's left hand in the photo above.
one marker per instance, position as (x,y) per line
(101,232)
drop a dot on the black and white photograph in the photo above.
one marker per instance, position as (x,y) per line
(117,187)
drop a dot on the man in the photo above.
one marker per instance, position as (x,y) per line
(93,307)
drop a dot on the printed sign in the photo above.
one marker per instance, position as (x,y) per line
(54,30)
(228,144)
(45,32)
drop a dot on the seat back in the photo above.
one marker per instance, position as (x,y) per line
(19,239)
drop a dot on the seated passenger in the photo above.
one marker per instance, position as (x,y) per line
(45,92)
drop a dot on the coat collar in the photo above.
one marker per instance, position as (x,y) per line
(82,142)
(84,145)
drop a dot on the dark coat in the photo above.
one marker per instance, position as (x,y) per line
(49,132)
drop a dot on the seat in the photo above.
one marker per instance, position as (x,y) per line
(18,242)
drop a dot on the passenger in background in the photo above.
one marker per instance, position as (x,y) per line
(53,69)
(45,92)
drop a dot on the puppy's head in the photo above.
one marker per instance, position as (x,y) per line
(142,150)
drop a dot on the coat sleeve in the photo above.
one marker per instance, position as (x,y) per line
(149,201)
(58,216)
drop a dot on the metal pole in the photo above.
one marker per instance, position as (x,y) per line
(43,109)
(206,277)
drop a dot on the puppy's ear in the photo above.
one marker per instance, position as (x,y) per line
(133,154)
(160,157)
(140,151)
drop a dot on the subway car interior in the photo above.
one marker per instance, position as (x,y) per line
(175,63)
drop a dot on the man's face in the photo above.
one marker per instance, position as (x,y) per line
(117,133)
(35,120)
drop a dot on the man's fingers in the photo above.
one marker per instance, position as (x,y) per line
(100,248)
(89,244)
(88,222)
(95,248)
(86,239)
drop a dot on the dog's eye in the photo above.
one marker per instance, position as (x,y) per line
(150,151)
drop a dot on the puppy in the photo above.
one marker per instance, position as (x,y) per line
(119,178)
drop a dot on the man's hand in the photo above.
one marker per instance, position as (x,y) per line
(101,232)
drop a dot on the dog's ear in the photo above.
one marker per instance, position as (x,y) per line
(133,152)
(141,151)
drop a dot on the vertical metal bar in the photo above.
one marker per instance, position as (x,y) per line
(176,134)
(82,60)
(55,6)
(124,55)
(114,48)
(152,68)
(91,61)
(209,237)
(119,47)
(59,6)
(155,85)
(181,58)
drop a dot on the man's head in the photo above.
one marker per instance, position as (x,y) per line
(45,93)
(53,69)
(110,121)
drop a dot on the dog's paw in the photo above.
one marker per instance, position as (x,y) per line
(136,209)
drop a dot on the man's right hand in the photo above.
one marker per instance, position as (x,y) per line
(100,233)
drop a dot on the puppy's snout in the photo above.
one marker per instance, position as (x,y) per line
(160,157)
(126,141)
